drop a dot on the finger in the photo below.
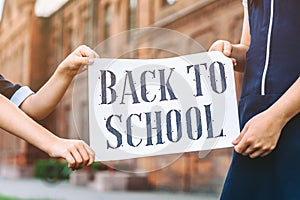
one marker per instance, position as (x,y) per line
(239,138)
(91,154)
(234,62)
(71,162)
(257,153)
(265,153)
(92,158)
(84,60)
(84,155)
(242,146)
(227,48)
(78,159)
(88,52)
(217,46)
(250,150)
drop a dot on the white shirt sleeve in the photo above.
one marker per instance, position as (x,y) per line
(20,95)
(245,3)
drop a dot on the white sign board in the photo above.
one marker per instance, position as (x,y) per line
(148,107)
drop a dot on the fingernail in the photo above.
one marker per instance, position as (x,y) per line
(90,61)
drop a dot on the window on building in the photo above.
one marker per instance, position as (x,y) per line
(132,13)
(65,127)
(132,24)
(85,121)
(67,35)
(108,21)
(45,8)
(168,2)
(1,8)
(107,25)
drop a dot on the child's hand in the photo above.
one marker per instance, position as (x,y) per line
(225,47)
(78,60)
(76,152)
(260,135)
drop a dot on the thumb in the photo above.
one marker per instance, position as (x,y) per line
(217,46)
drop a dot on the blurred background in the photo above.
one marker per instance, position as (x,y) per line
(36,35)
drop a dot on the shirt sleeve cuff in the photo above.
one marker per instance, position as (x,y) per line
(20,95)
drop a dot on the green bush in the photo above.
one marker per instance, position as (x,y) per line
(52,170)
(7,198)
(98,166)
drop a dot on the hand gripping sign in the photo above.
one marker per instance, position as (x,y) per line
(149,107)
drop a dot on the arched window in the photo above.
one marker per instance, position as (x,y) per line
(132,14)
(168,2)
(108,21)
(1,8)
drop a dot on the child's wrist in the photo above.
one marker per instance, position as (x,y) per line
(279,116)
(50,147)
(65,72)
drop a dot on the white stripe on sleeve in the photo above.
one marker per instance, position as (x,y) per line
(20,95)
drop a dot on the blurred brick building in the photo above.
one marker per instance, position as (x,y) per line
(33,42)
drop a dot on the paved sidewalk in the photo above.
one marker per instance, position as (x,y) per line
(36,189)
